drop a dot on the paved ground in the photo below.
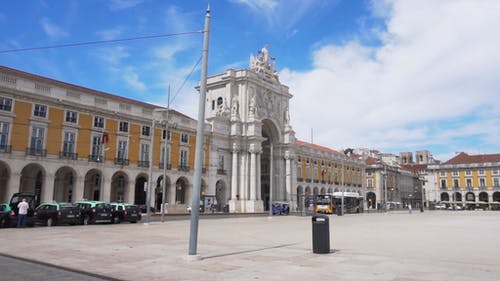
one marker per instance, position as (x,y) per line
(438,245)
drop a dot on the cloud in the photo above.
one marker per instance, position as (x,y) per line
(284,15)
(116,5)
(110,34)
(437,62)
(131,77)
(52,30)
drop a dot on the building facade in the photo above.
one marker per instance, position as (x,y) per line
(467,180)
(66,143)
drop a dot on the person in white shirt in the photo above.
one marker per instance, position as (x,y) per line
(23,207)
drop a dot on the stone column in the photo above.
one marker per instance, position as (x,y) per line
(13,185)
(243,176)
(234,175)
(288,176)
(259,187)
(78,188)
(48,188)
(253,179)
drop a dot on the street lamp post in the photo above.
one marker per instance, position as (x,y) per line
(385,187)
(150,184)
(422,194)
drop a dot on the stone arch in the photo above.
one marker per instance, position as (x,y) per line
(32,180)
(371,200)
(64,184)
(315,191)
(445,196)
(119,187)
(181,191)
(330,190)
(496,196)
(457,196)
(272,136)
(4,181)
(140,189)
(323,190)
(159,198)
(483,196)
(221,195)
(470,197)
(92,185)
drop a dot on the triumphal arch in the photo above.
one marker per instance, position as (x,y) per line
(248,110)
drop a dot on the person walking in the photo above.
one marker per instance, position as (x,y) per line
(409,208)
(23,207)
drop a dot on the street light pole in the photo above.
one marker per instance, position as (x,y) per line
(200,133)
(385,187)
(165,159)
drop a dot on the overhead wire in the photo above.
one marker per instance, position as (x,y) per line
(76,44)
(87,43)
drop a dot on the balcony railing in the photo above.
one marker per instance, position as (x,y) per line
(221,172)
(169,166)
(95,158)
(300,179)
(68,155)
(183,168)
(36,151)
(5,149)
(144,164)
(121,161)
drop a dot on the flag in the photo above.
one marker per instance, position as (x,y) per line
(105,138)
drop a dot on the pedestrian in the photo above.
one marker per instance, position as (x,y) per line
(409,208)
(23,207)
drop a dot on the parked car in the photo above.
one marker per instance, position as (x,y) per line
(144,209)
(54,213)
(440,207)
(94,212)
(6,215)
(125,212)
(14,201)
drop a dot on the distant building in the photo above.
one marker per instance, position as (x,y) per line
(468,180)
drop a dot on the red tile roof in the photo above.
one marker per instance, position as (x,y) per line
(371,161)
(318,147)
(464,158)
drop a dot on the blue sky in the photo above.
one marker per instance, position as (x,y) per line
(388,75)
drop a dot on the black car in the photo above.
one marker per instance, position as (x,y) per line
(6,215)
(125,212)
(94,212)
(14,201)
(55,213)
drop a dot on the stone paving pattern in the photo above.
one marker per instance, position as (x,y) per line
(434,245)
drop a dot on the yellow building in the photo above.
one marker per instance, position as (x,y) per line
(322,170)
(65,142)
(470,181)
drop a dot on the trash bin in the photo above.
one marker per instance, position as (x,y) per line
(320,234)
(285,209)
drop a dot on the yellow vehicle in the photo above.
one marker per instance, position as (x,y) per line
(324,204)
(328,203)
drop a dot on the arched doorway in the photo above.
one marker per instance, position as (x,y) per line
(32,178)
(181,189)
(221,196)
(457,196)
(140,189)
(159,198)
(92,185)
(119,183)
(4,180)
(371,200)
(483,197)
(64,182)
(323,190)
(445,196)
(271,144)
(496,196)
